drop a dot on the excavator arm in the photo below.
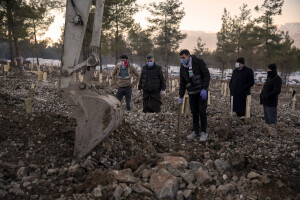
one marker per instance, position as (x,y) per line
(97,113)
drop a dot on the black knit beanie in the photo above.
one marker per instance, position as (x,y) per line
(272,67)
(241,60)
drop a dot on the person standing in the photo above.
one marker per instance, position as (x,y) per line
(195,78)
(122,79)
(152,83)
(269,95)
(240,85)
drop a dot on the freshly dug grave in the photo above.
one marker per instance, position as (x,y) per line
(239,161)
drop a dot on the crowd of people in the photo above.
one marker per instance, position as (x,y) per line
(195,80)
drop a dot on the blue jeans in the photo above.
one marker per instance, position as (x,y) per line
(125,91)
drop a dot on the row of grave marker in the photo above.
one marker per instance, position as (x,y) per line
(173,84)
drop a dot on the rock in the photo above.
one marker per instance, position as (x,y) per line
(251,197)
(225,189)
(279,184)
(146,173)
(187,193)
(188,177)
(164,185)
(88,164)
(22,172)
(179,195)
(51,172)
(253,175)
(26,184)
(134,162)
(16,191)
(75,170)
(98,191)
(182,185)
(2,194)
(207,155)
(127,190)
(194,165)
(124,176)
(139,170)
(235,179)
(265,179)
(174,162)
(238,161)
(209,164)
(203,177)
(224,177)
(118,192)
(191,186)
(212,189)
(138,188)
(221,165)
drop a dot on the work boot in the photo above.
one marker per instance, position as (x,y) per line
(192,136)
(203,136)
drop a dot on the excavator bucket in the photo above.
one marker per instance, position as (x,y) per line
(97,115)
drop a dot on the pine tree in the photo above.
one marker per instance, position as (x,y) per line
(165,27)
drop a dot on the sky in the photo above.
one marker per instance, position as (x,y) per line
(202,15)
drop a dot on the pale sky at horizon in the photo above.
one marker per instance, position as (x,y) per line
(202,15)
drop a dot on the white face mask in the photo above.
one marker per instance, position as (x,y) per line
(237,65)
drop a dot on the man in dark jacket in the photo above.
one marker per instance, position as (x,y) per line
(195,77)
(269,95)
(153,84)
(240,84)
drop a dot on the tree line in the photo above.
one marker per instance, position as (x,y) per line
(258,39)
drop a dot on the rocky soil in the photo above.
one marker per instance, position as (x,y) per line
(144,158)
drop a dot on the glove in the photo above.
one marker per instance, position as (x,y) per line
(203,94)
(180,100)
(162,93)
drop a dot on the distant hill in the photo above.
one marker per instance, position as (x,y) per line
(211,38)
(192,36)
(294,30)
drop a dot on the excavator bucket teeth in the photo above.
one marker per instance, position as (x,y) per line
(96,115)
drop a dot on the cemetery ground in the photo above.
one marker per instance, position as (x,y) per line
(145,158)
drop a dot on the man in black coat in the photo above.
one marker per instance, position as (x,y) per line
(269,95)
(153,84)
(240,84)
(195,78)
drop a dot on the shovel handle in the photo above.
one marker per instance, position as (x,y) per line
(179,119)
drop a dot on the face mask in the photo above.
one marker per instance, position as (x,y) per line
(150,64)
(184,61)
(237,65)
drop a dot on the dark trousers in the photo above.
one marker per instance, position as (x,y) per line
(198,109)
(241,114)
(125,91)
(270,114)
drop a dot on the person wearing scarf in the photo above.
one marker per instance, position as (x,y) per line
(195,78)
(122,79)
(153,85)
(269,96)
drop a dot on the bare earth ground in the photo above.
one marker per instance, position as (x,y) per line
(240,160)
